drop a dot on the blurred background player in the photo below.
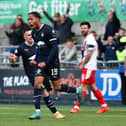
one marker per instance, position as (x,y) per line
(88,65)
(47,56)
(27,51)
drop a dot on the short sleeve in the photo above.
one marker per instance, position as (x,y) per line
(17,52)
(91,42)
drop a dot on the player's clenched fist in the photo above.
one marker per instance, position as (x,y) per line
(12,57)
(33,63)
(42,65)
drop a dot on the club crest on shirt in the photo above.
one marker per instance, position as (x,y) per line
(38,71)
(42,34)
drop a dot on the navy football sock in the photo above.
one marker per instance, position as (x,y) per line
(49,103)
(66,88)
(37,98)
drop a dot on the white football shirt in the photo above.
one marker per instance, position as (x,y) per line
(90,44)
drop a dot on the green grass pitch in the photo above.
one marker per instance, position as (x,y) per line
(16,115)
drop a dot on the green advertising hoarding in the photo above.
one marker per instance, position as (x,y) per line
(89,10)
(10,8)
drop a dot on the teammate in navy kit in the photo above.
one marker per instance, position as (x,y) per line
(27,51)
(47,55)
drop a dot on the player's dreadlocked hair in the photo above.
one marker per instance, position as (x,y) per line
(36,14)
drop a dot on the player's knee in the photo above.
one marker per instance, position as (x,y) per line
(38,86)
(93,88)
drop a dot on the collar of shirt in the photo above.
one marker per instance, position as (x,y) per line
(28,44)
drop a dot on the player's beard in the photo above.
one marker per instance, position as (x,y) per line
(85,34)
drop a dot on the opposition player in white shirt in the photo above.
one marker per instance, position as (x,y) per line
(88,65)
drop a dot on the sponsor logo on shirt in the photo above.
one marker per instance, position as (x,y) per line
(26,50)
(41,43)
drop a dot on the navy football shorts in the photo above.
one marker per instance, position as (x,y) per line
(53,72)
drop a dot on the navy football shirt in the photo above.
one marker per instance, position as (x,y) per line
(27,53)
(47,45)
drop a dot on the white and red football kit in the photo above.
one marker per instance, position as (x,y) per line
(88,72)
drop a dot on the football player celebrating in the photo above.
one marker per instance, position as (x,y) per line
(27,51)
(47,57)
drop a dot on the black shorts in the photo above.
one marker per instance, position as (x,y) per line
(46,82)
(53,72)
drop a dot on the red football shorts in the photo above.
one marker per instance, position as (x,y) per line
(88,76)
